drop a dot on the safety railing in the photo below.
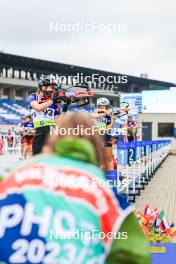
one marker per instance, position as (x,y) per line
(137,163)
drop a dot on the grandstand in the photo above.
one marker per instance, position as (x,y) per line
(19,75)
(11,112)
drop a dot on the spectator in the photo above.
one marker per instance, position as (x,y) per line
(57,203)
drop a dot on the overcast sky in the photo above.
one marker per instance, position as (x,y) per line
(148,46)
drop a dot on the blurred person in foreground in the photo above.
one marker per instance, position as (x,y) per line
(57,207)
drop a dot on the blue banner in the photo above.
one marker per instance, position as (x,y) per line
(165,253)
(132,151)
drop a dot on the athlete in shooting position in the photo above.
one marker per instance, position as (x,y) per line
(105,122)
(45,109)
(131,128)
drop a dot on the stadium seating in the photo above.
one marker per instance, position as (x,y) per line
(11,112)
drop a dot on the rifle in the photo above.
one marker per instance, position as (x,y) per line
(79,95)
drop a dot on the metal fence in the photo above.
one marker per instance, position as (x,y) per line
(137,164)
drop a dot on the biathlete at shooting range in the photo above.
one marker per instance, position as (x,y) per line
(52,100)
(48,103)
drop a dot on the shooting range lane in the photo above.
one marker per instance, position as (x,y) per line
(161,191)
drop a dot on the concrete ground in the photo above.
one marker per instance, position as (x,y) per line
(7,162)
(161,190)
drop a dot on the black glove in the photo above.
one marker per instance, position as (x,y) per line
(56,98)
(67,101)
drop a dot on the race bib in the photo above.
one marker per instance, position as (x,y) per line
(43,118)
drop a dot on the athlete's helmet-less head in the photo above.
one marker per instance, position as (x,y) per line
(103,102)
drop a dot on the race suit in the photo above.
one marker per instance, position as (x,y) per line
(42,120)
